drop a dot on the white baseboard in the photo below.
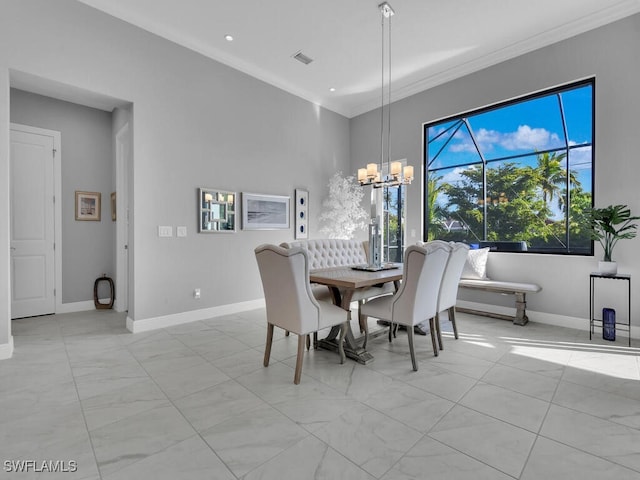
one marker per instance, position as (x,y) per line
(576,323)
(146,324)
(6,349)
(75,307)
(78,306)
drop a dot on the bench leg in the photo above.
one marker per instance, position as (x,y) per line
(521,306)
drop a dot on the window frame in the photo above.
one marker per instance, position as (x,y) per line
(485,164)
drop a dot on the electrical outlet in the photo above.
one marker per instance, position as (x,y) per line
(196,293)
(165,231)
(181,231)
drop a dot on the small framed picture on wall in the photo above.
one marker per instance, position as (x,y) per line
(88,206)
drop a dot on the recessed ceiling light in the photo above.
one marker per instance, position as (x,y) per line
(228,38)
(332,89)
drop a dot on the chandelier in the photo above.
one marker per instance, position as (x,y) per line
(395,175)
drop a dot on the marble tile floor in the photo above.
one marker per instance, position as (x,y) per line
(194,402)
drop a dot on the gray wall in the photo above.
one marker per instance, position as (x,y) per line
(87,165)
(611,55)
(196,123)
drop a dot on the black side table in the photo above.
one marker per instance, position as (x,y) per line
(595,322)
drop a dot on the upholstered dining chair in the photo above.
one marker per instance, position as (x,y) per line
(449,288)
(417,298)
(290,303)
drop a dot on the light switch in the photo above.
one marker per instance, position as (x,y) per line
(181,231)
(164,231)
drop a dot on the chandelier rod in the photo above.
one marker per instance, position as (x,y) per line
(382,94)
(389,102)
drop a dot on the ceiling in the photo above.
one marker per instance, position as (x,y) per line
(433,42)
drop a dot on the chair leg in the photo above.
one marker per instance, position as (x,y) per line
(286,333)
(267,348)
(438,331)
(315,340)
(433,336)
(301,342)
(362,320)
(411,349)
(343,333)
(390,330)
(452,318)
(308,341)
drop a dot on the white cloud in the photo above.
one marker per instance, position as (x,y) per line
(529,138)
(580,158)
(454,176)
(524,138)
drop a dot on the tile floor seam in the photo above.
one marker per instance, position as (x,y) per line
(74,336)
(544,419)
(608,392)
(84,417)
(470,456)
(590,454)
(195,430)
(198,434)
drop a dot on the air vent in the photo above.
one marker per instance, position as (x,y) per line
(301,57)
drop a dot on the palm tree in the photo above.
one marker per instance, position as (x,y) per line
(551,175)
(435,212)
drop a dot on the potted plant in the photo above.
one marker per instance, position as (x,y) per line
(608,225)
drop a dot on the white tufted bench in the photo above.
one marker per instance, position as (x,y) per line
(331,253)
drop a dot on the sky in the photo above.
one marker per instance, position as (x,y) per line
(522,128)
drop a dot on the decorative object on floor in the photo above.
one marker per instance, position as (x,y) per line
(113,206)
(302,214)
(112,295)
(88,206)
(608,226)
(216,211)
(395,175)
(342,212)
(265,212)
(609,324)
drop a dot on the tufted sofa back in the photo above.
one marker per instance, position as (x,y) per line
(328,253)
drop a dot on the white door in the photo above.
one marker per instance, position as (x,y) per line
(32,224)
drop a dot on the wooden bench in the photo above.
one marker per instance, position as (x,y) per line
(520,290)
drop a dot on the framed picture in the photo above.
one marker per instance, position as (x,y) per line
(302,214)
(113,206)
(264,212)
(88,206)
(216,210)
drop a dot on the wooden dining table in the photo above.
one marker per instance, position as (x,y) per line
(343,282)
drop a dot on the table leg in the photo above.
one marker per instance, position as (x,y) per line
(351,347)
